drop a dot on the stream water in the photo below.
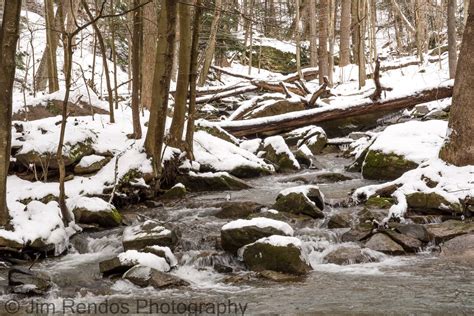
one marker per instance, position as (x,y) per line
(396,285)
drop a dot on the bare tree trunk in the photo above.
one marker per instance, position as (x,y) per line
(177,125)
(323,40)
(466,10)
(331,31)
(313,34)
(9,34)
(452,43)
(211,44)
(150,31)
(459,147)
(103,52)
(420,17)
(250,32)
(161,85)
(193,76)
(355,30)
(361,45)
(136,41)
(114,53)
(345,37)
(51,46)
(298,39)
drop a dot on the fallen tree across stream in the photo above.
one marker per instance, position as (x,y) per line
(337,120)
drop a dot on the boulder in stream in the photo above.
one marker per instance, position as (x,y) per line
(306,199)
(239,233)
(149,233)
(24,281)
(277,253)
(238,209)
(345,255)
(94,211)
(277,152)
(461,246)
(145,276)
(209,181)
(449,229)
(382,243)
(432,201)
(126,260)
(178,191)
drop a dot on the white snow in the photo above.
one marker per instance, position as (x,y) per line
(93,204)
(88,161)
(144,259)
(280,147)
(173,262)
(260,222)
(251,145)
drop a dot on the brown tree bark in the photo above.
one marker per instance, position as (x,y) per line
(136,41)
(459,147)
(161,85)
(150,31)
(193,76)
(361,21)
(177,125)
(452,43)
(211,44)
(345,36)
(9,34)
(323,40)
(51,46)
(313,34)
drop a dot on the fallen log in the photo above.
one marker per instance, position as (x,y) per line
(226,94)
(280,87)
(335,119)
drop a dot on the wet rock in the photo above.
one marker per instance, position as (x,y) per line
(94,211)
(220,181)
(461,246)
(247,171)
(346,255)
(447,230)
(280,277)
(145,276)
(303,158)
(332,177)
(150,233)
(163,252)
(382,243)
(10,243)
(239,233)
(277,152)
(415,231)
(340,220)
(424,201)
(408,243)
(306,200)
(126,260)
(379,202)
(23,281)
(358,233)
(176,192)
(90,164)
(236,210)
(315,142)
(298,136)
(222,268)
(368,215)
(276,253)
(381,166)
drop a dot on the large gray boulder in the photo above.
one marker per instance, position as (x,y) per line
(306,199)
(150,233)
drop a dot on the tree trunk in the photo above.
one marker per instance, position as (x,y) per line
(103,52)
(459,147)
(452,44)
(161,84)
(211,44)
(323,40)
(193,76)
(313,34)
(298,39)
(361,45)
(177,125)
(355,30)
(331,36)
(150,31)
(420,18)
(136,41)
(51,46)
(345,36)
(9,34)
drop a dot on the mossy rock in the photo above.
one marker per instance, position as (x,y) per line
(315,143)
(286,259)
(218,132)
(105,218)
(150,233)
(247,171)
(298,203)
(92,168)
(176,192)
(367,215)
(235,210)
(382,166)
(212,182)
(379,202)
(302,158)
(432,201)
(275,60)
(340,220)
(282,161)
(449,229)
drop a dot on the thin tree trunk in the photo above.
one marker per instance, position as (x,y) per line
(323,40)
(361,45)
(420,17)
(177,125)
(103,52)
(161,85)
(355,30)
(452,43)
(51,47)
(193,76)
(345,36)
(150,31)
(459,147)
(313,34)
(211,44)
(114,53)
(9,34)
(298,39)
(250,32)
(136,41)
(331,30)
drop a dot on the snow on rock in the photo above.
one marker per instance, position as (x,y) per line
(261,222)
(433,181)
(278,152)
(149,233)
(39,223)
(145,259)
(88,161)
(164,252)
(306,199)
(94,211)
(215,154)
(251,145)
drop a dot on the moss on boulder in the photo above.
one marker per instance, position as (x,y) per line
(381,166)
(424,201)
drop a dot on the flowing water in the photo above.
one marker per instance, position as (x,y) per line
(421,283)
